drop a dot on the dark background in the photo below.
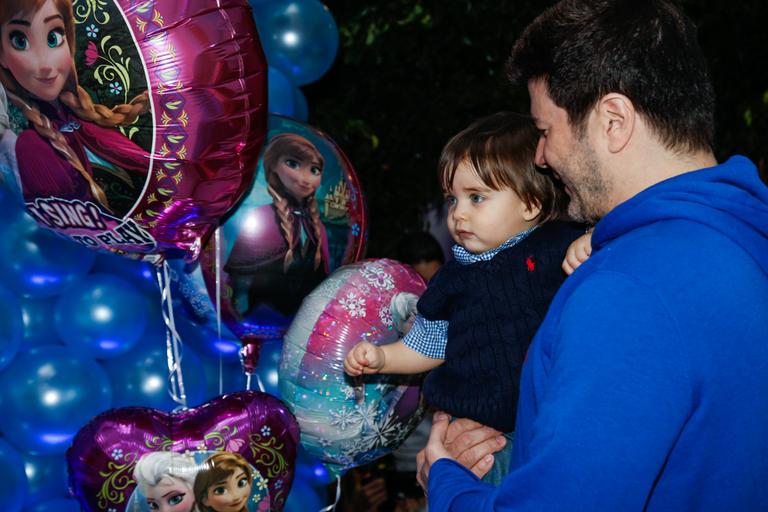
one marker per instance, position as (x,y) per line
(411,73)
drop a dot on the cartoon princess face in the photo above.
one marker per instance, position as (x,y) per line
(300,176)
(36,52)
(230,495)
(170,495)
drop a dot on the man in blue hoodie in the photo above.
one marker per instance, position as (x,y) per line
(646,387)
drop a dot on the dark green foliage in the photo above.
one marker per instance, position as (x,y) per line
(411,73)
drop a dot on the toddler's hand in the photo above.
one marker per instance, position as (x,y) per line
(364,358)
(578,252)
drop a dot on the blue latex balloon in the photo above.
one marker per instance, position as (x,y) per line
(269,360)
(103,315)
(300,106)
(34,262)
(280,92)
(207,342)
(229,374)
(49,392)
(305,497)
(13,483)
(140,378)
(59,505)
(46,478)
(140,273)
(38,315)
(11,327)
(299,37)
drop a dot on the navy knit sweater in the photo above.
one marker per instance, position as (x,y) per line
(493,308)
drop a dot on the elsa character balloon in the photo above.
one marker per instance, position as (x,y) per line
(166,480)
(224,483)
(281,252)
(37,69)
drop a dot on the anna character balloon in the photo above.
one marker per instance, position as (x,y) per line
(37,69)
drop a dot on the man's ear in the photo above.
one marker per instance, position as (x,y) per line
(617,117)
(532,211)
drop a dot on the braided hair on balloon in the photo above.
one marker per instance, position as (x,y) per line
(299,148)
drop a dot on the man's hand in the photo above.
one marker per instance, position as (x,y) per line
(465,441)
(364,358)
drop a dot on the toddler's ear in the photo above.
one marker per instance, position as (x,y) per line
(532,211)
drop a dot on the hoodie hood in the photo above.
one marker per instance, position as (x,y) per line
(729,198)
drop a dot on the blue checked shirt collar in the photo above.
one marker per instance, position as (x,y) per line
(465,257)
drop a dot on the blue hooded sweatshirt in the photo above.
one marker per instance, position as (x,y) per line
(646,386)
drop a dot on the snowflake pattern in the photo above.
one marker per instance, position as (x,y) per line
(92,31)
(354,304)
(344,418)
(261,484)
(385,432)
(367,412)
(117,454)
(385,315)
(377,276)
(325,443)
(356,229)
(265,431)
(349,392)
(115,88)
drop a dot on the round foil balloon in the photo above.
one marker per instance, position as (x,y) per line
(303,217)
(136,125)
(348,422)
(128,459)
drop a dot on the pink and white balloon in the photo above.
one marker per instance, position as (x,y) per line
(348,422)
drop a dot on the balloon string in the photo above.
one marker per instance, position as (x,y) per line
(247,381)
(172,339)
(217,248)
(332,506)
(260,384)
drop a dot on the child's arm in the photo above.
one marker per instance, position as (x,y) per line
(365,358)
(578,252)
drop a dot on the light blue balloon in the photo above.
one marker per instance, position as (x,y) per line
(140,377)
(13,483)
(60,505)
(103,315)
(280,93)
(46,478)
(11,327)
(49,393)
(34,262)
(38,315)
(300,106)
(299,37)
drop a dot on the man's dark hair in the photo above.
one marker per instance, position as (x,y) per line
(644,49)
(419,246)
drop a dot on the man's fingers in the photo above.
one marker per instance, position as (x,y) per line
(470,457)
(483,466)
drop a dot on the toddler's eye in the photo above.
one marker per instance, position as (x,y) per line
(476,198)
(451,200)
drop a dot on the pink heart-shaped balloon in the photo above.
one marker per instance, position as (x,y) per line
(255,425)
